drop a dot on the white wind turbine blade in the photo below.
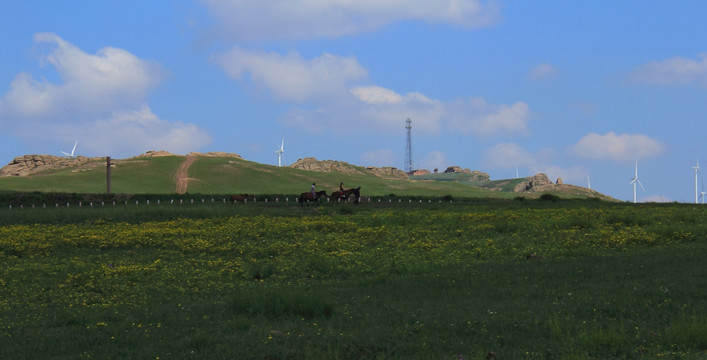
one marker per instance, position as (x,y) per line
(74,149)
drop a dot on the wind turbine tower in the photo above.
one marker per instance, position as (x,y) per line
(697,171)
(634,181)
(279,152)
(408,148)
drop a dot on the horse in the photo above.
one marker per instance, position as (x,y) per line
(241,197)
(336,195)
(307,196)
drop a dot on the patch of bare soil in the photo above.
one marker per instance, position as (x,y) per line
(183,174)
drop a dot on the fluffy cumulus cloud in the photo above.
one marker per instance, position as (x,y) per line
(129,133)
(290,77)
(507,155)
(388,109)
(542,71)
(674,71)
(334,98)
(381,157)
(434,160)
(247,20)
(622,147)
(477,116)
(93,83)
(512,155)
(93,91)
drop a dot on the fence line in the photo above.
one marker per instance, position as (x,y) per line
(214,201)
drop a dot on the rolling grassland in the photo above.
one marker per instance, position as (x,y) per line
(567,279)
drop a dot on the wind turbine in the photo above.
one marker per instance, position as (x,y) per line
(72,150)
(589,184)
(279,152)
(634,181)
(697,170)
(702,196)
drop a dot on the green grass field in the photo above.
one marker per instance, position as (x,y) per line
(224,175)
(529,279)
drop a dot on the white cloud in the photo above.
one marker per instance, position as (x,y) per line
(84,104)
(623,147)
(511,155)
(130,133)
(91,84)
(376,95)
(476,116)
(542,71)
(249,20)
(290,77)
(572,174)
(374,108)
(507,156)
(387,110)
(435,160)
(379,158)
(674,71)
(327,86)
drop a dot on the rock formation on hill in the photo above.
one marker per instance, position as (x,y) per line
(457,170)
(388,172)
(216,154)
(153,153)
(540,183)
(30,164)
(477,175)
(313,164)
(533,183)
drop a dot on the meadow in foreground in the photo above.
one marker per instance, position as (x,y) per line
(565,280)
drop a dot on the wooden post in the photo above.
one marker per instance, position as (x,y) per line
(108,175)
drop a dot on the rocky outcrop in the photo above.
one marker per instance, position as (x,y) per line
(420,172)
(153,153)
(477,175)
(216,154)
(532,184)
(313,164)
(30,164)
(559,181)
(388,172)
(457,170)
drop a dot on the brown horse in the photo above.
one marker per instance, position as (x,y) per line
(239,198)
(336,195)
(307,196)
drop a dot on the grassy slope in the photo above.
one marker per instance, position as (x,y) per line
(215,175)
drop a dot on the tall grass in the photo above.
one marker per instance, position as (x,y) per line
(374,281)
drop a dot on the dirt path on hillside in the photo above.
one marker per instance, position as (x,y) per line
(183,174)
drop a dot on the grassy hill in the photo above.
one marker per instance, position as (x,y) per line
(229,175)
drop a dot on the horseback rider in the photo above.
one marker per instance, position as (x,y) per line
(341,190)
(311,190)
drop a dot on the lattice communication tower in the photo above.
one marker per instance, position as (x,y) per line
(408,148)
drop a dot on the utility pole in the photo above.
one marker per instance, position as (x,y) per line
(108,164)
(408,149)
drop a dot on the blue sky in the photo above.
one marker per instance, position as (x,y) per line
(577,90)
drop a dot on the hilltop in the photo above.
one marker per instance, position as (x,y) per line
(222,173)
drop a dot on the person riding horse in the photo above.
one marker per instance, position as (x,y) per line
(346,193)
(307,197)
